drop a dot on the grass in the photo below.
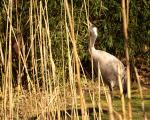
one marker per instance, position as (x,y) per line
(37,104)
(136,104)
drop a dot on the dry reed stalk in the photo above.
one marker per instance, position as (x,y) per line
(99,98)
(85,78)
(7,88)
(32,51)
(92,96)
(2,55)
(125,30)
(19,42)
(62,47)
(93,93)
(93,104)
(141,94)
(41,41)
(116,114)
(9,67)
(71,74)
(44,38)
(108,96)
(110,106)
(4,81)
(31,37)
(109,101)
(121,93)
(127,11)
(48,37)
(82,102)
(63,65)
(45,52)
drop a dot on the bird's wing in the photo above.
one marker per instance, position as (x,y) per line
(110,61)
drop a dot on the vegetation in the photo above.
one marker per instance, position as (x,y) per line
(42,46)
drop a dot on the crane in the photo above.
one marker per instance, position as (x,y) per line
(107,63)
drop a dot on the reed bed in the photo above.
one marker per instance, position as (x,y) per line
(41,90)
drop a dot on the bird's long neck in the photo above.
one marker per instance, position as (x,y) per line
(92,42)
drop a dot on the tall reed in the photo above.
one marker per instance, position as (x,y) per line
(125,16)
(40,89)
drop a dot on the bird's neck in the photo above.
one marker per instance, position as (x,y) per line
(92,42)
(91,45)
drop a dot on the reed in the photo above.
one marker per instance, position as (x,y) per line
(71,23)
(141,94)
(35,87)
(122,95)
(125,16)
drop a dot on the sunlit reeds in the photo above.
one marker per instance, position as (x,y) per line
(40,92)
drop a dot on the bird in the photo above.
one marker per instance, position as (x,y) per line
(107,64)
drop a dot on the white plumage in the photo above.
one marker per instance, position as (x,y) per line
(107,63)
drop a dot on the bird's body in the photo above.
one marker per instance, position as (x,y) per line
(107,63)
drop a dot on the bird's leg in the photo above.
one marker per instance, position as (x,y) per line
(111,90)
(124,88)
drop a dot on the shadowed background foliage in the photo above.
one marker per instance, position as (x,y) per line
(106,15)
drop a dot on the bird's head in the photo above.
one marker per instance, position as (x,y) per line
(93,31)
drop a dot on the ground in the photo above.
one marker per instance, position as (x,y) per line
(38,104)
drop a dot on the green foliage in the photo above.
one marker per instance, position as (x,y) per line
(106,15)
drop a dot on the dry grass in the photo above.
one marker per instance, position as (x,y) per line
(43,105)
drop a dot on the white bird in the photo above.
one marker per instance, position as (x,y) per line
(107,63)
